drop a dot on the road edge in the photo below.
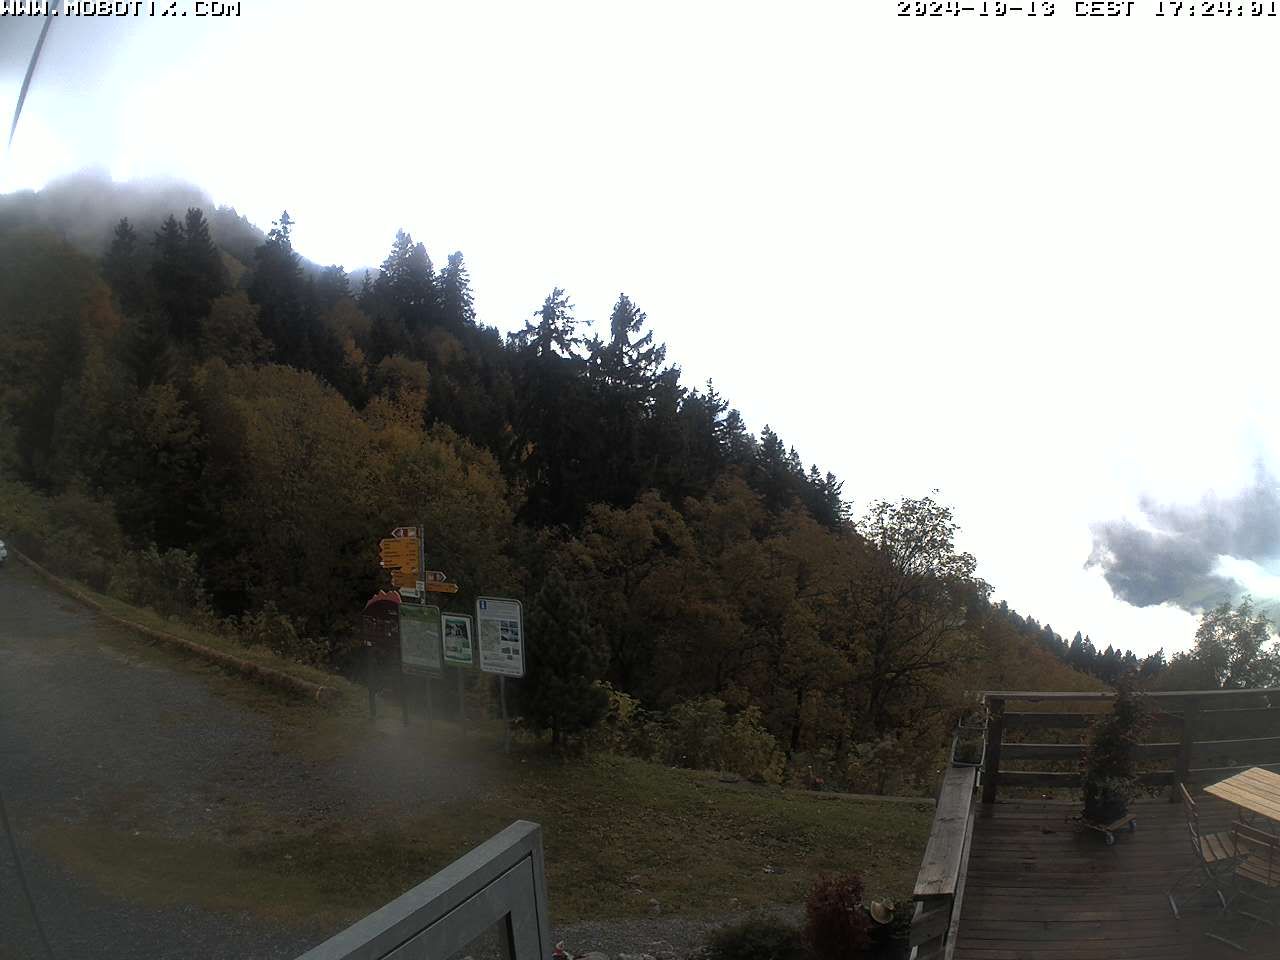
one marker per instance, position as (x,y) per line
(268,676)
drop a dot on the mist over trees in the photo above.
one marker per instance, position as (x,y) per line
(202,423)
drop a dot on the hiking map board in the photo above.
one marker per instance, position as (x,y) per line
(420,639)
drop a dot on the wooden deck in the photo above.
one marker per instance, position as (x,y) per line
(1038,887)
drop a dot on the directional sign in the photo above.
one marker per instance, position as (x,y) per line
(500,627)
(398,548)
(420,639)
(438,576)
(435,587)
(401,578)
(409,533)
(458,631)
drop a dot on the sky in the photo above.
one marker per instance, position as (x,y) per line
(1025,261)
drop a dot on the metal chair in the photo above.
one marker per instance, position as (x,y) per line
(1255,888)
(1215,855)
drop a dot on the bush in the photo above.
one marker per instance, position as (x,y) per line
(24,518)
(169,582)
(756,939)
(699,734)
(272,629)
(837,925)
(695,733)
(1109,765)
(627,727)
(750,750)
(84,540)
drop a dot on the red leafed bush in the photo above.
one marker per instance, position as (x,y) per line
(837,924)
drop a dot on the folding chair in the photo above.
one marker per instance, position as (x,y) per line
(1215,855)
(1255,888)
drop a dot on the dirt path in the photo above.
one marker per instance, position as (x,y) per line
(115,752)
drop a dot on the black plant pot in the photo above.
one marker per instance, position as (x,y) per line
(1105,807)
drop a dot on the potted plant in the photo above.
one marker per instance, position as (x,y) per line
(1109,767)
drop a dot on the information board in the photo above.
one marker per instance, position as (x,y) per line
(420,639)
(500,625)
(458,632)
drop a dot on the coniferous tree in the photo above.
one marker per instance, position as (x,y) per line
(204,274)
(331,286)
(405,289)
(277,288)
(457,302)
(559,692)
(124,269)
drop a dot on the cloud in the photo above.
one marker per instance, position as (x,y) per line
(1176,555)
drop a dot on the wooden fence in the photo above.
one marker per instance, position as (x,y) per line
(1209,735)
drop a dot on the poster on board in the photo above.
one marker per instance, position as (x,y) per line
(458,632)
(500,627)
(420,639)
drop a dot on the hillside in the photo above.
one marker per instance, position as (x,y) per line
(193,418)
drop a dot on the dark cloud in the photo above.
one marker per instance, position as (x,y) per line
(1171,558)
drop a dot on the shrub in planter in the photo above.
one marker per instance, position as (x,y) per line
(1109,767)
(837,925)
(756,939)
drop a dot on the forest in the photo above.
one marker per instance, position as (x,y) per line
(195,418)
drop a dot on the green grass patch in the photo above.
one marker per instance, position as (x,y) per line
(618,833)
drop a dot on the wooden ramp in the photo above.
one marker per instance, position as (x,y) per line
(1040,888)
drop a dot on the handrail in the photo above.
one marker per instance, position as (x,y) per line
(1098,695)
(500,882)
(1209,726)
(939,885)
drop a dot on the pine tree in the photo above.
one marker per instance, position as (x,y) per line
(123,268)
(167,271)
(278,289)
(406,285)
(331,286)
(204,273)
(559,692)
(551,330)
(457,303)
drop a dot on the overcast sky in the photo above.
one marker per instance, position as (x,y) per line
(1027,261)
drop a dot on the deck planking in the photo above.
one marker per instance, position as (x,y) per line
(1041,888)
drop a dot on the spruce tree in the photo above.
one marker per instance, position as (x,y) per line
(559,692)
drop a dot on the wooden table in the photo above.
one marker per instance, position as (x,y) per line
(1255,790)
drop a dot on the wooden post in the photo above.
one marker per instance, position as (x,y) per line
(430,711)
(991,758)
(1183,774)
(506,724)
(462,703)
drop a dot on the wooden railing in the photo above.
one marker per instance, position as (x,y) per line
(1211,734)
(940,883)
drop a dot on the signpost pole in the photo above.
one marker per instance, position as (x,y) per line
(462,704)
(506,724)
(430,712)
(368,676)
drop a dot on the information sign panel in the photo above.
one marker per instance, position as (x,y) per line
(420,639)
(500,627)
(458,631)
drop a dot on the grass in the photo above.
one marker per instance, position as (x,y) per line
(348,694)
(618,833)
